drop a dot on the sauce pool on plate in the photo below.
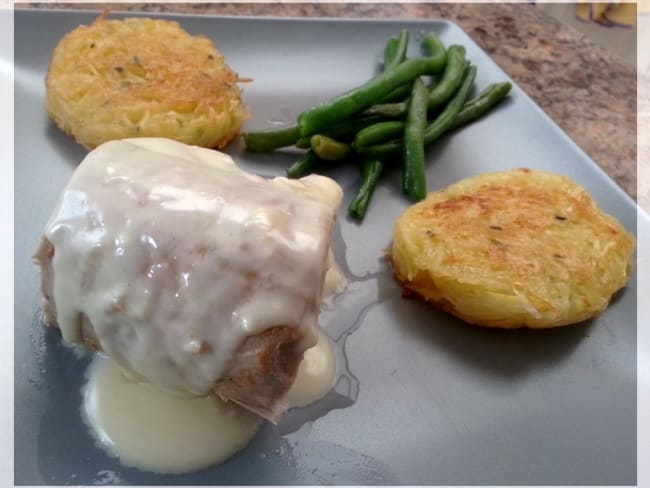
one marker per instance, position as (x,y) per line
(167,432)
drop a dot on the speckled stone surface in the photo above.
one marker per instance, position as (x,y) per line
(587,90)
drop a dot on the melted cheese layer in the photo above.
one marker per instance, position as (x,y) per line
(175,256)
(157,431)
(315,374)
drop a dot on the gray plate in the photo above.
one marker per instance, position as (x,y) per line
(437,401)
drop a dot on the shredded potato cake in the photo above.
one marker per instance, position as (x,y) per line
(519,248)
(141,77)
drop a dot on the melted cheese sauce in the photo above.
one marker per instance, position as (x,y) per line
(156,430)
(315,374)
(175,256)
(334,279)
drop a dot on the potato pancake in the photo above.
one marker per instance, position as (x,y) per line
(519,248)
(141,77)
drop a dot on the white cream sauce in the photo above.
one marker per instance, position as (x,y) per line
(334,279)
(165,432)
(315,374)
(175,255)
(157,431)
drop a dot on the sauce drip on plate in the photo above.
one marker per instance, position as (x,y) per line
(159,431)
(166,432)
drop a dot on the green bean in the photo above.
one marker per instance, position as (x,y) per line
(304,165)
(386,150)
(444,120)
(413,175)
(395,51)
(371,173)
(394,110)
(481,104)
(346,105)
(269,140)
(390,50)
(451,79)
(348,129)
(303,143)
(439,94)
(433,45)
(395,107)
(472,110)
(329,149)
(378,133)
(436,128)
(397,95)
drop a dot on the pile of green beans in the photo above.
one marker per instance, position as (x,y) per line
(392,117)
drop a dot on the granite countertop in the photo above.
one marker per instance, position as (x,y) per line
(584,88)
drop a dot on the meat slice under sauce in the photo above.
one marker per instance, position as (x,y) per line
(121,272)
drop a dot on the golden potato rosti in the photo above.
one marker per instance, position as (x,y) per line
(141,77)
(519,248)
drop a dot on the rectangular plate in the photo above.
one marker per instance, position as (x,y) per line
(438,401)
